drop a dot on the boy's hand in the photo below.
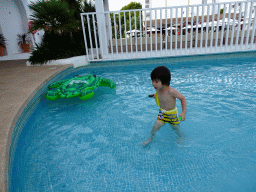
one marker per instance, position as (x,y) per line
(183,115)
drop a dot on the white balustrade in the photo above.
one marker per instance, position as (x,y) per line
(170,31)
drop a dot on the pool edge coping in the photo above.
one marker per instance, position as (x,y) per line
(4,176)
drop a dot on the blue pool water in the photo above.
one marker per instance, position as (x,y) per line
(96,145)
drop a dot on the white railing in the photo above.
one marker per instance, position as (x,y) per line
(170,31)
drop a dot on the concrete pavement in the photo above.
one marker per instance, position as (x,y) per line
(18,85)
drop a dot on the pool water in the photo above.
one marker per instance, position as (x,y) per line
(96,145)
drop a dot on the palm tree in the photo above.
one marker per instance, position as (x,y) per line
(61,21)
(53,16)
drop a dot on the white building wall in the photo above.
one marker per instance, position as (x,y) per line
(11,24)
(13,21)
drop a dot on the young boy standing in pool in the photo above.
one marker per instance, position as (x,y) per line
(165,97)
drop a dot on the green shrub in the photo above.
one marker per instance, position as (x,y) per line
(61,22)
(57,46)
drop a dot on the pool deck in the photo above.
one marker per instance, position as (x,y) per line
(18,84)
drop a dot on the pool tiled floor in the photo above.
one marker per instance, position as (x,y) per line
(18,84)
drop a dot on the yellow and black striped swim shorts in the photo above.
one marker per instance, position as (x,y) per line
(171,116)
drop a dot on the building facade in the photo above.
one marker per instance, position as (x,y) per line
(14,16)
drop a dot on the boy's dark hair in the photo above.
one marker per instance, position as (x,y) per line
(163,74)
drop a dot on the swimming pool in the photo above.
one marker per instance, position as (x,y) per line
(96,145)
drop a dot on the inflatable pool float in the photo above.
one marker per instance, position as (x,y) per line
(78,86)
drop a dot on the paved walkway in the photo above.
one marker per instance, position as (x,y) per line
(18,84)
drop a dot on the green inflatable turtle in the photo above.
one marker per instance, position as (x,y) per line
(81,86)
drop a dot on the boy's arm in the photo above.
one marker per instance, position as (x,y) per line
(177,94)
(184,107)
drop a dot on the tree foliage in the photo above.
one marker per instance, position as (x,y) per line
(53,15)
(132,5)
(128,18)
(61,21)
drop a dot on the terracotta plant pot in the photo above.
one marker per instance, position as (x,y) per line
(26,47)
(1,51)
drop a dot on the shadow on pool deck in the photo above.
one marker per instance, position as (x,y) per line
(18,85)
